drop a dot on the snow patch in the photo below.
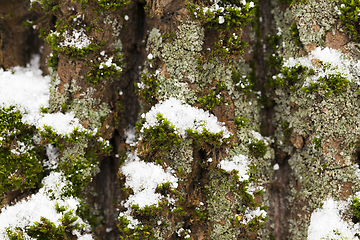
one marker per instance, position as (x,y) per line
(239,163)
(41,204)
(184,116)
(327,223)
(143,178)
(77,39)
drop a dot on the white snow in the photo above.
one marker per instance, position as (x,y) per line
(52,153)
(26,88)
(338,63)
(143,178)
(26,212)
(276,167)
(184,116)
(251,214)
(76,39)
(327,223)
(216,8)
(130,137)
(239,163)
(60,122)
(221,19)
(109,62)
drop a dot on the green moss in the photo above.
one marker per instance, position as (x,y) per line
(349,10)
(71,52)
(47,230)
(207,140)
(334,84)
(355,209)
(139,232)
(213,97)
(257,148)
(317,142)
(295,34)
(99,71)
(240,122)
(235,14)
(20,157)
(79,153)
(286,129)
(160,138)
(148,89)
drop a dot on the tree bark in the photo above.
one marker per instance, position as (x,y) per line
(301,143)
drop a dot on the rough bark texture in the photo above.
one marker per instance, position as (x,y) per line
(161,41)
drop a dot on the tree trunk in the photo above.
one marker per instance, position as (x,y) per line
(239,123)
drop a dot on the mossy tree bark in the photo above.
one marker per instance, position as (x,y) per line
(310,134)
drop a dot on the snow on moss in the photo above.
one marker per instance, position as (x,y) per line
(184,116)
(327,62)
(239,163)
(143,178)
(60,122)
(327,222)
(42,204)
(28,90)
(77,39)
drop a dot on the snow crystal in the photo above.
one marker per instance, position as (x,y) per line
(276,167)
(26,212)
(239,163)
(77,39)
(109,63)
(143,178)
(251,214)
(52,153)
(221,19)
(326,223)
(184,116)
(130,136)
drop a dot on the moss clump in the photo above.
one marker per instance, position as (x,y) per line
(160,138)
(294,31)
(257,148)
(208,140)
(286,129)
(47,230)
(147,89)
(101,71)
(213,97)
(335,84)
(231,14)
(317,142)
(79,155)
(349,10)
(288,77)
(242,83)
(20,157)
(139,232)
(355,209)
(240,122)
(54,39)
